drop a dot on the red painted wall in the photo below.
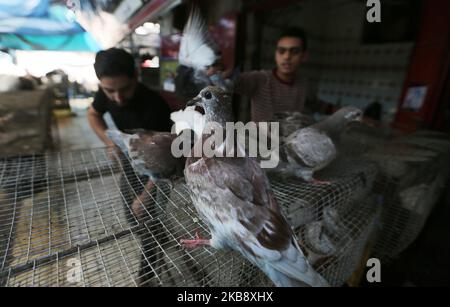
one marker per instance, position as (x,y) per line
(429,66)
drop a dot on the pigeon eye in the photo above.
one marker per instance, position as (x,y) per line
(207,95)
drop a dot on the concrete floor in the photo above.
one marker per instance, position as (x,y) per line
(72,132)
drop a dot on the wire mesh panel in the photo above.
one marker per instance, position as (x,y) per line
(335,243)
(332,221)
(82,219)
(358,138)
(85,218)
(409,183)
(349,180)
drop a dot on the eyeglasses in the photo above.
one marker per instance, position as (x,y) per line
(292,50)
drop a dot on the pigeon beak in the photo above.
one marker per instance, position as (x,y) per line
(196,101)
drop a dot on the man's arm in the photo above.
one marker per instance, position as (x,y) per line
(99,126)
(246,83)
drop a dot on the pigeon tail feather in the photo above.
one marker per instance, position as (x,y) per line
(196,49)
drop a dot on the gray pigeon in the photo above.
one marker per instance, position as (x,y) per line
(233,196)
(291,122)
(312,148)
(149,152)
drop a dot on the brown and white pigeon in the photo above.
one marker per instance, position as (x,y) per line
(149,152)
(233,196)
(310,149)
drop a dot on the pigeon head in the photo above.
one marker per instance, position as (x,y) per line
(349,114)
(336,123)
(216,104)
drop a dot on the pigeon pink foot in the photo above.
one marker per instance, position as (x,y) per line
(320,182)
(198,241)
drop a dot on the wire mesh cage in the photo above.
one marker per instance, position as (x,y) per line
(85,218)
(359,138)
(334,244)
(412,176)
(67,219)
(332,221)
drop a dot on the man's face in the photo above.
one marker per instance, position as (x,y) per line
(289,55)
(119,89)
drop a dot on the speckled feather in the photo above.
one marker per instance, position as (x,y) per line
(149,152)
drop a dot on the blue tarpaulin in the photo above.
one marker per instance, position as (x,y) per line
(40,25)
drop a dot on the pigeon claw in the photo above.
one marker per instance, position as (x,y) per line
(198,241)
(320,182)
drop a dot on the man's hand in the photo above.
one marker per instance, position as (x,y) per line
(138,208)
(212,70)
(113,153)
(226,73)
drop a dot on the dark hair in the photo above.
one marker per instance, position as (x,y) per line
(114,62)
(295,32)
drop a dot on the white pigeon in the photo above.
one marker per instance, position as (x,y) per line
(196,48)
(233,196)
(197,53)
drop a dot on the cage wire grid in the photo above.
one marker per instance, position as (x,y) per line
(333,222)
(67,219)
(412,168)
(408,201)
(409,184)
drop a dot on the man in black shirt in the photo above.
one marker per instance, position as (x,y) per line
(132,106)
(130,103)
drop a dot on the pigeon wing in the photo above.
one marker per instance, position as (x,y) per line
(310,147)
(196,49)
(149,151)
